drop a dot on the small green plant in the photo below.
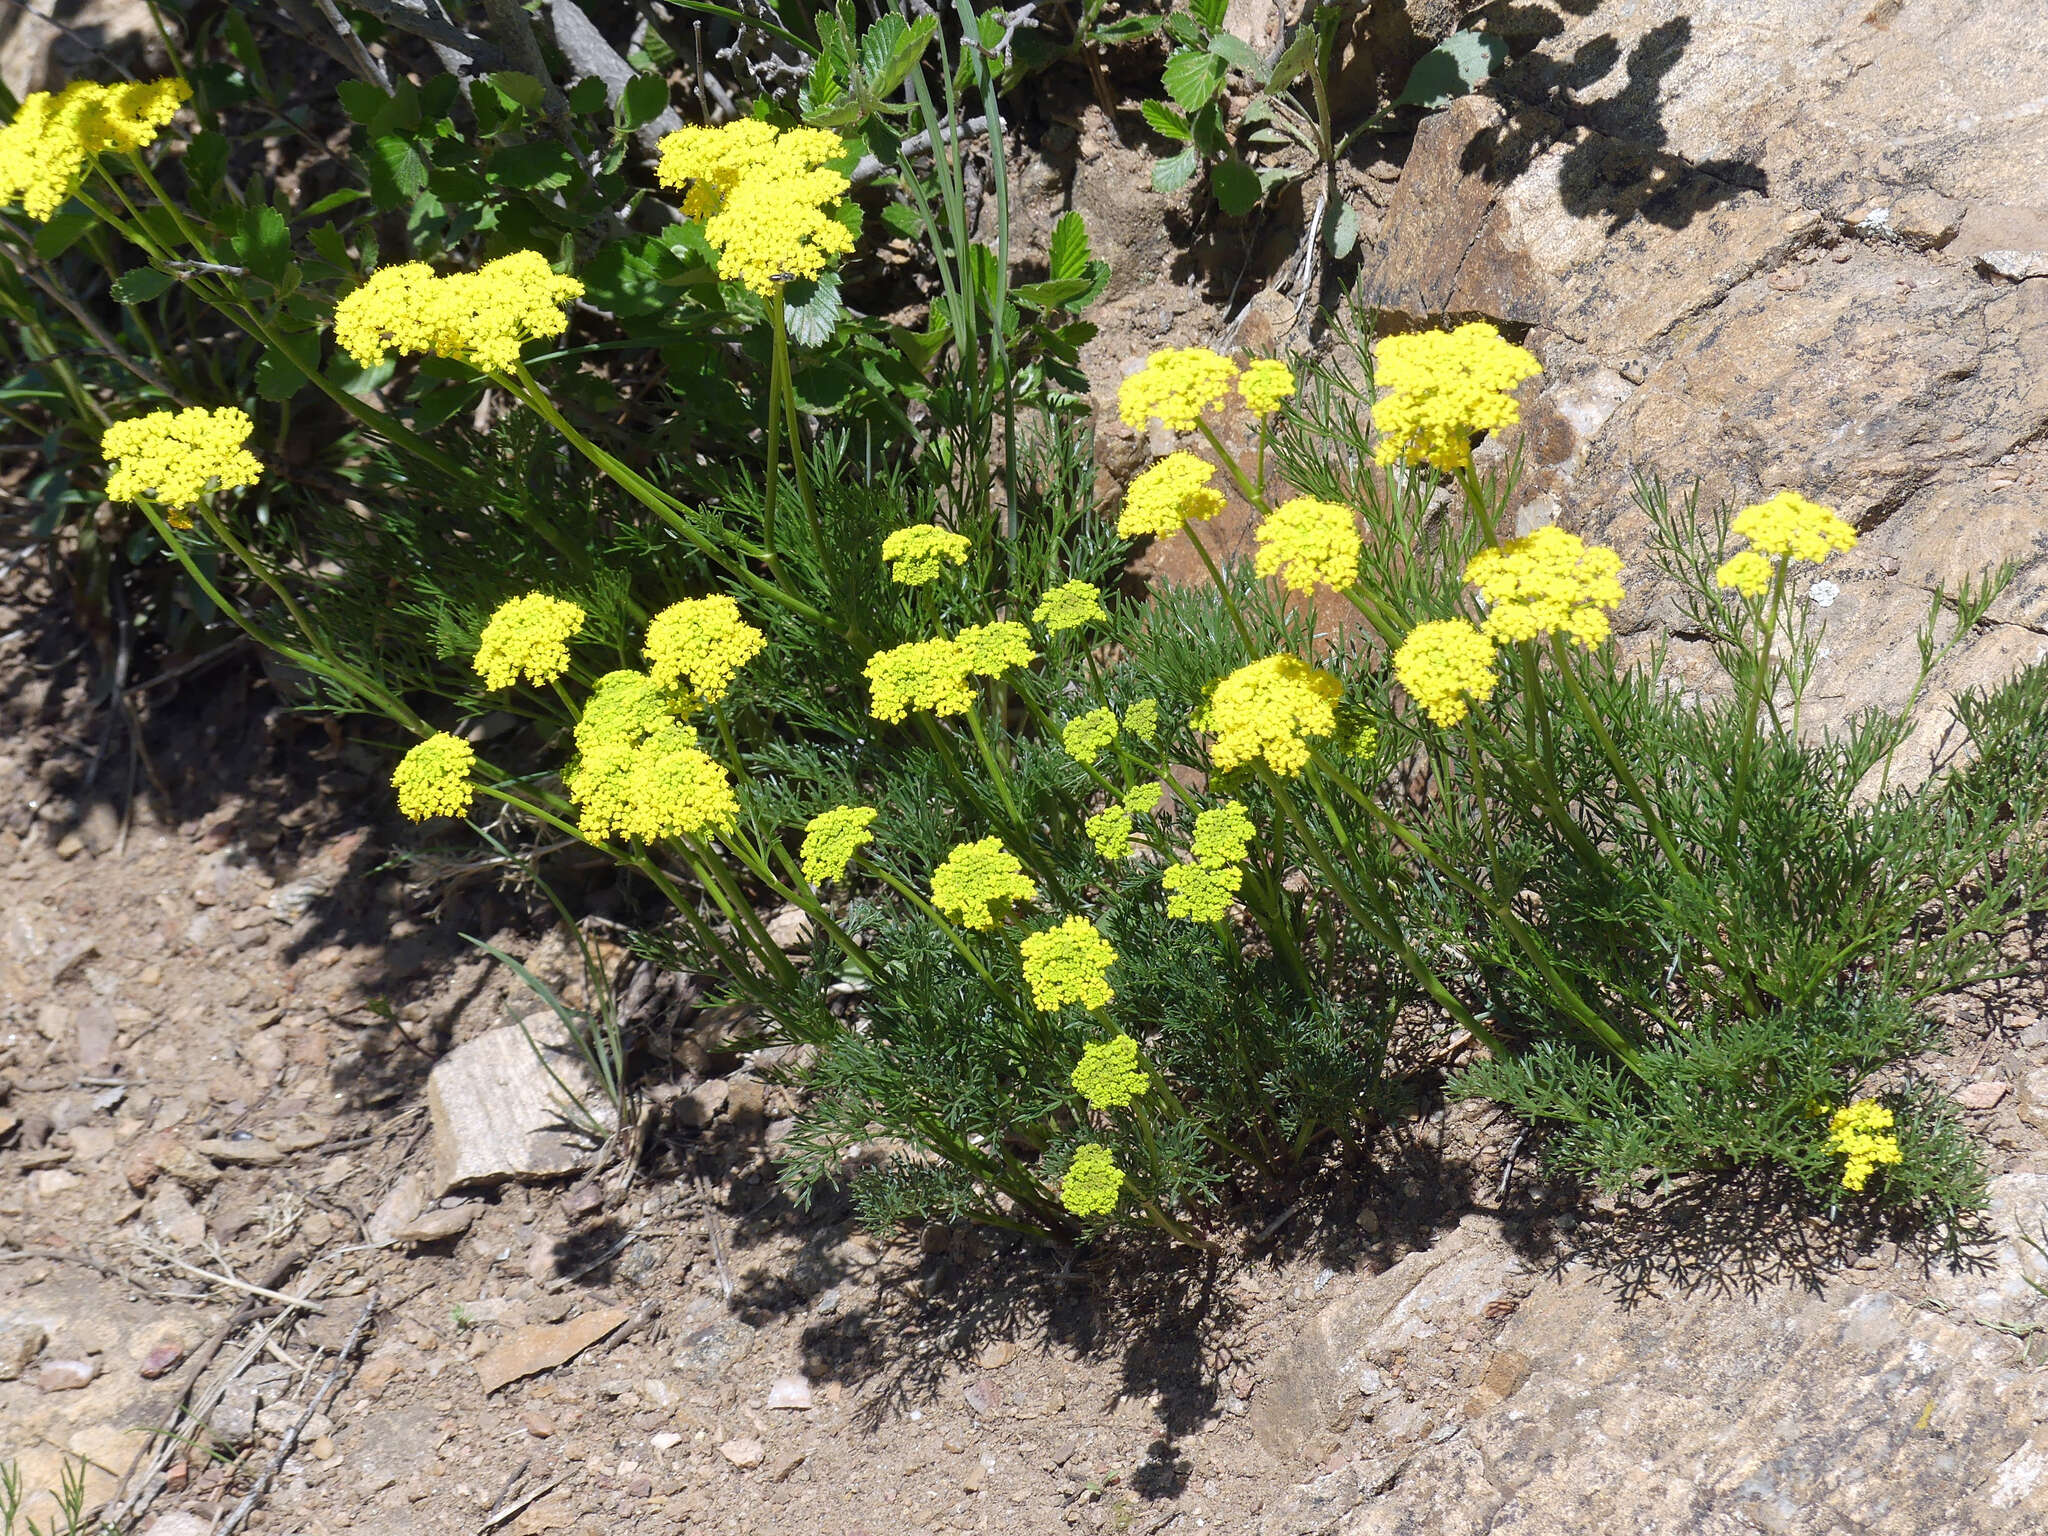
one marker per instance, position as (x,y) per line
(1197,81)
(67,1501)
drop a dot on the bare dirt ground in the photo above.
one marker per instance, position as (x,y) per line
(218,1009)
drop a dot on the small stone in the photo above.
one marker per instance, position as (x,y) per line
(160,1360)
(790,1392)
(744,1453)
(19,1346)
(2034,1098)
(984,1396)
(791,928)
(95,1034)
(700,1106)
(499,1110)
(542,1347)
(667,1440)
(176,1221)
(66,1375)
(323,1448)
(400,1208)
(2017,266)
(253,1153)
(536,1425)
(712,1350)
(997,1355)
(439,1224)
(1981,1095)
(179,1522)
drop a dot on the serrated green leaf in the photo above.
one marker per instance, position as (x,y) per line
(1165,119)
(1185,30)
(339,198)
(206,160)
(909,50)
(1051,294)
(1294,58)
(1205,132)
(643,100)
(1128,29)
(361,100)
(878,43)
(587,95)
(520,87)
(1192,79)
(1454,67)
(811,311)
(1236,186)
(1068,254)
(138,285)
(536,167)
(903,219)
(328,242)
(397,174)
(1238,54)
(263,244)
(1209,13)
(1172,174)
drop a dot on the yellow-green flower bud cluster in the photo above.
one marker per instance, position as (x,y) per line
(527,637)
(1085,736)
(915,555)
(1441,388)
(433,779)
(175,457)
(638,771)
(1108,1075)
(978,883)
(1547,582)
(1068,963)
(1069,606)
(832,838)
(1093,1181)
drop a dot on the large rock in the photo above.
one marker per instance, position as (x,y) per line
(517,1103)
(1768,243)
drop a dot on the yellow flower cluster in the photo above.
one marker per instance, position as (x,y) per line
(1264,385)
(481,318)
(1201,894)
(1108,1075)
(1068,964)
(1309,541)
(44,151)
(638,771)
(764,196)
(1168,496)
(1176,384)
(1445,665)
(916,554)
(1202,891)
(1547,581)
(1267,710)
(978,882)
(701,640)
(924,674)
(1142,719)
(528,635)
(1443,386)
(433,779)
(1068,606)
(1861,1133)
(1093,1181)
(173,457)
(1223,835)
(1110,829)
(832,838)
(1085,736)
(1787,526)
(993,649)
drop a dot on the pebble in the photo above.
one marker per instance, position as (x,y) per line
(997,1355)
(536,1425)
(667,1440)
(790,1392)
(1981,1095)
(19,1346)
(983,1396)
(66,1375)
(744,1453)
(160,1360)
